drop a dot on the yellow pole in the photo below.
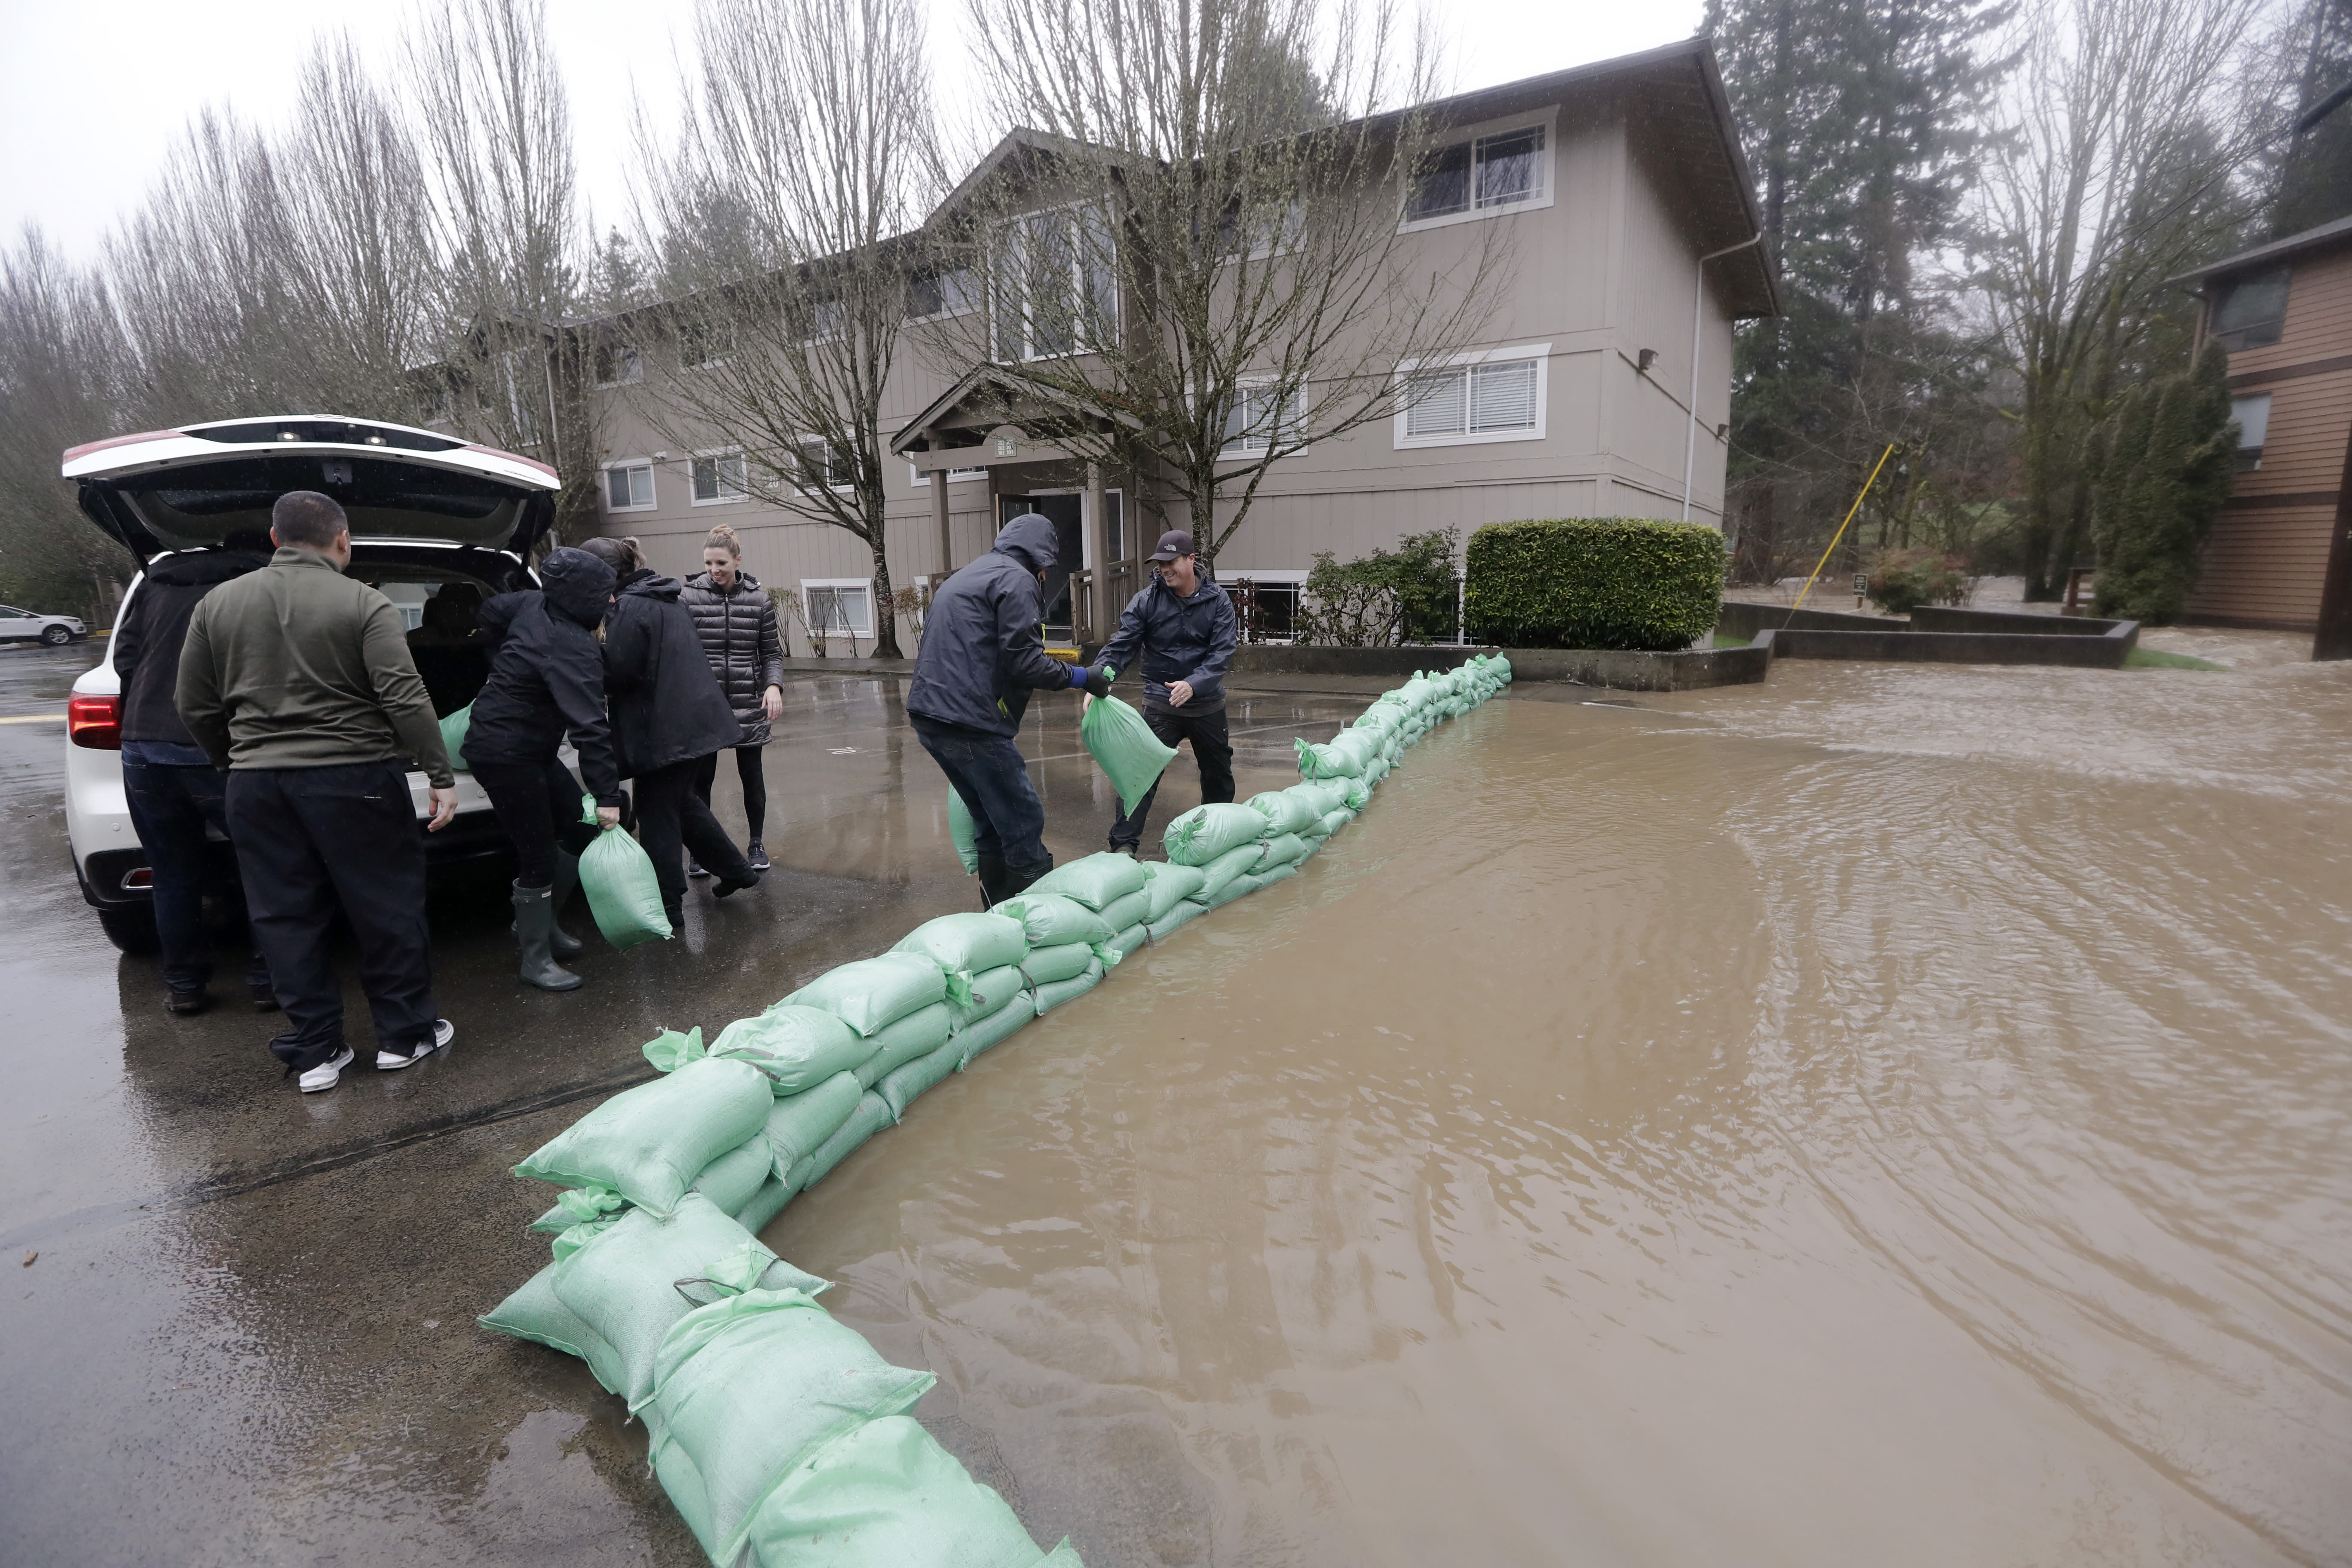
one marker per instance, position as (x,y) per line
(1842,528)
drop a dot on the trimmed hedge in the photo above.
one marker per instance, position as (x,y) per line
(1595,583)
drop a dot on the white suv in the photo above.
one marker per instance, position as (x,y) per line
(31,626)
(430,515)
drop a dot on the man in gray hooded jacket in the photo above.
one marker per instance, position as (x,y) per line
(981,656)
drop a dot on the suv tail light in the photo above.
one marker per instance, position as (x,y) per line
(95,722)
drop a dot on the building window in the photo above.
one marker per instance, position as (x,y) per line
(946,291)
(1494,397)
(824,319)
(1254,424)
(1266,604)
(1056,291)
(826,463)
(1509,168)
(618,364)
(838,607)
(1269,231)
(918,480)
(704,341)
(2253,413)
(2249,311)
(628,487)
(525,386)
(717,477)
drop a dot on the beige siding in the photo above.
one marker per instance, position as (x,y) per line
(2266,566)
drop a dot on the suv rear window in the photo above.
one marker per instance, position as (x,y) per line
(342,432)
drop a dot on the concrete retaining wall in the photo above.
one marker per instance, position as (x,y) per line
(1740,619)
(1294,658)
(1937,618)
(2104,652)
(1688,671)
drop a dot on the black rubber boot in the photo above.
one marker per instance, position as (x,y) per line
(1018,878)
(534,923)
(561,942)
(992,879)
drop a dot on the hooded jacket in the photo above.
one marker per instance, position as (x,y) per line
(666,705)
(148,638)
(1189,638)
(737,626)
(546,673)
(983,653)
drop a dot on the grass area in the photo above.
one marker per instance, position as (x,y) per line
(1725,640)
(2156,658)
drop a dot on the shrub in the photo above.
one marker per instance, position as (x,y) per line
(1386,598)
(1902,580)
(1599,583)
(2162,469)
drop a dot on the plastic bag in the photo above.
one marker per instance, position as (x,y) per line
(649,1143)
(1344,757)
(1338,819)
(871,1115)
(1280,851)
(991,991)
(968,942)
(1122,913)
(872,994)
(729,1180)
(799,1126)
(748,1387)
(999,1026)
(765,1206)
(624,894)
(886,1495)
(1051,966)
(797,1048)
(535,1313)
(899,1089)
(1205,832)
(1125,748)
(454,730)
(1171,885)
(1240,886)
(959,828)
(1221,870)
(1127,942)
(1097,881)
(915,1036)
(1285,810)
(1267,879)
(1168,924)
(1050,920)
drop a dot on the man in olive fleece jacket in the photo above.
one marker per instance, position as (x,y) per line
(298,681)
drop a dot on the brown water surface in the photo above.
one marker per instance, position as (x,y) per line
(1893,1115)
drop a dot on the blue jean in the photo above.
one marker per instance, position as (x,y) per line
(170,807)
(1008,821)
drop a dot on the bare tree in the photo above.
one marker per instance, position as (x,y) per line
(1205,250)
(780,221)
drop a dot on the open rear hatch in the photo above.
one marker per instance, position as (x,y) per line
(178,490)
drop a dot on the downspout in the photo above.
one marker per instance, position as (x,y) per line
(1698,317)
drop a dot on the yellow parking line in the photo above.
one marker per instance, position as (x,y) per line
(36,719)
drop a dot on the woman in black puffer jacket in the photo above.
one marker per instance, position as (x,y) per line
(737,621)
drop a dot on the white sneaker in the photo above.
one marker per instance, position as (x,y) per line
(444,1031)
(326,1074)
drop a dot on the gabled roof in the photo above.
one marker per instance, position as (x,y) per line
(1008,382)
(1015,143)
(2327,237)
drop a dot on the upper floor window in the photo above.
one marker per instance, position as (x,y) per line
(717,477)
(1260,416)
(826,463)
(704,341)
(1056,288)
(823,319)
(2253,413)
(1497,396)
(1480,174)
(618,364)
(628,487)
(945,291)
(2249,311)
(1264,231)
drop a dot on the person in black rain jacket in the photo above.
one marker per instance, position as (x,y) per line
(981,656)
(547,676)
(668,716)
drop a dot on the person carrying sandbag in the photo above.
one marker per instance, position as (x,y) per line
(670,717)
(1182,629)
(981,657)
(547,676)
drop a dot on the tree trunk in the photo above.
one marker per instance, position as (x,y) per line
(885,619)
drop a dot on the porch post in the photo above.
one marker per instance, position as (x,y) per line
(1100,609)
(940,511)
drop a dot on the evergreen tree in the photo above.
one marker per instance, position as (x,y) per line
(2165,463)
(2315,173)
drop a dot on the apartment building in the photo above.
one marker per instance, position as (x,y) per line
(1633,226)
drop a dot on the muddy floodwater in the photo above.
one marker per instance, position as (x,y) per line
(1896,1115)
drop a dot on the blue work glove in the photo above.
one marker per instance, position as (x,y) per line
(1094,682)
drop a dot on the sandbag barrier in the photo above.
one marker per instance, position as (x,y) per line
(780,1436)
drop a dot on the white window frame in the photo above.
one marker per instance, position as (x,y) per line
(1241,448)
(637,363)
(921,480)
(1287,577)
(1540,353)
(743,492)
(726,351)
(653,483)
(803,443)
(1078,279)
(2250,453)
(976,290)
(865,585)
(1547,119)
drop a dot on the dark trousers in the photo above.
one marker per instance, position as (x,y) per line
(671,812)
(311,841)
(170,807)
(1008,821)
(539,808)
(755,785)
(1210,749)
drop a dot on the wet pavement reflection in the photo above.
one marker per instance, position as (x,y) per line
(1894,1114)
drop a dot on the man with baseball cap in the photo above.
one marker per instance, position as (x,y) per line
(1181,627)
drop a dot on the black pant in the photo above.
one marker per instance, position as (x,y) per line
(170,807)
(1008,821)
(310,841)
(539,806)
(755,785)
(670,811)
(1210,749)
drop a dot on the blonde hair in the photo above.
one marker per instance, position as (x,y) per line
(723,537)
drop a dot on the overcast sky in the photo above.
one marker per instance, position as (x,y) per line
(98,89)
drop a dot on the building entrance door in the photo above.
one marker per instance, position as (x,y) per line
(1065,512)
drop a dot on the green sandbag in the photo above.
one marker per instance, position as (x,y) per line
(800,1124)
(959,828)
(535,1313)
(650,1142)
(1280,851)
(871,1115)
(1051,919)
(967,943)
(1051,966)
(1285,811)
(1007,1021)
(1239,888)
(1127,942)
(1205,832)
(729,1180)
(1122,913)
(886,1495)
(750,1386)
(1359,794)
(624,894)
(1269,878)
(989,992)
(914,1036)
(1171,885)
(1125,748)
(873,994)
(1338,817)
(1097,881)
(765,1206)
(899,1089)
(1167,925)
(641,1275)
(454,730)
(1221,870)
(1052,995)
(1343,757)
(580,1206)
(797,1048)
(1321,794)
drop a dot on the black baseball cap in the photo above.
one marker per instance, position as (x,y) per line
(1172,543)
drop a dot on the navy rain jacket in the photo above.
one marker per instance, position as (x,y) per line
(983,653)
(546,673)
(1179,639)
(667,704)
